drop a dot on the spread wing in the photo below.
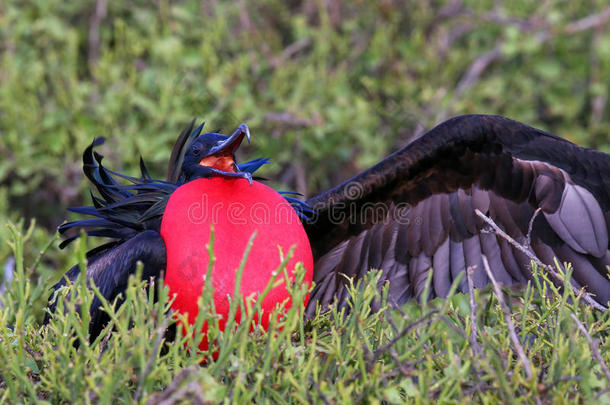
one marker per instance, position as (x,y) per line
(415,210)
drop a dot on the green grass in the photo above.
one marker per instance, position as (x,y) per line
(326,92)
(418,353)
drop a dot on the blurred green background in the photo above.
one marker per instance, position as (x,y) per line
(327,87)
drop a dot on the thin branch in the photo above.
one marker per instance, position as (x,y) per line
(401,367)
(509,321)
(477,67)
(36,355)
(172,388)
(530,254)
(244,16)
(402,333)
(598,101)
(553,384)
(94,30)
(300,176)
(528,237)
(388,346)
(594,347)
(450,10)
(452,325)
(602,392)
(388,316)
(290,51)
(288,119)
(590,21)
(192,393)
(320,393)
(473,312)
(103,343)
(471,76)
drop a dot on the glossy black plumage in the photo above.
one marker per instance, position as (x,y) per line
(425,196)
(412,211)
(110,271)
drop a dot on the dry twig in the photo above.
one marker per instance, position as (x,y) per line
(94,29)
(528,237)
(590,21)
(530,254)
(319,390)
(290,51)
(172,390)
(473,312)
(387,346)
(509,321)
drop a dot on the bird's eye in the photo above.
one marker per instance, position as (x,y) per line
(196,149)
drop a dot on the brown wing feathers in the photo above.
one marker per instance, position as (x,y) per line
(500,167)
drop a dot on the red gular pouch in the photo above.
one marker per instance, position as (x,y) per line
(237,210)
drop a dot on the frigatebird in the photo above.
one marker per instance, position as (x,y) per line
(414,210)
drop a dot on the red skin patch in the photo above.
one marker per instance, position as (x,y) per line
(237,210)
(224,163)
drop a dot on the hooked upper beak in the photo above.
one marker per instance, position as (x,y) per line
(230,145)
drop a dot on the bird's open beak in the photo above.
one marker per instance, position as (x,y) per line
(222,156)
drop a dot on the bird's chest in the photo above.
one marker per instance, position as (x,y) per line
(235,211)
